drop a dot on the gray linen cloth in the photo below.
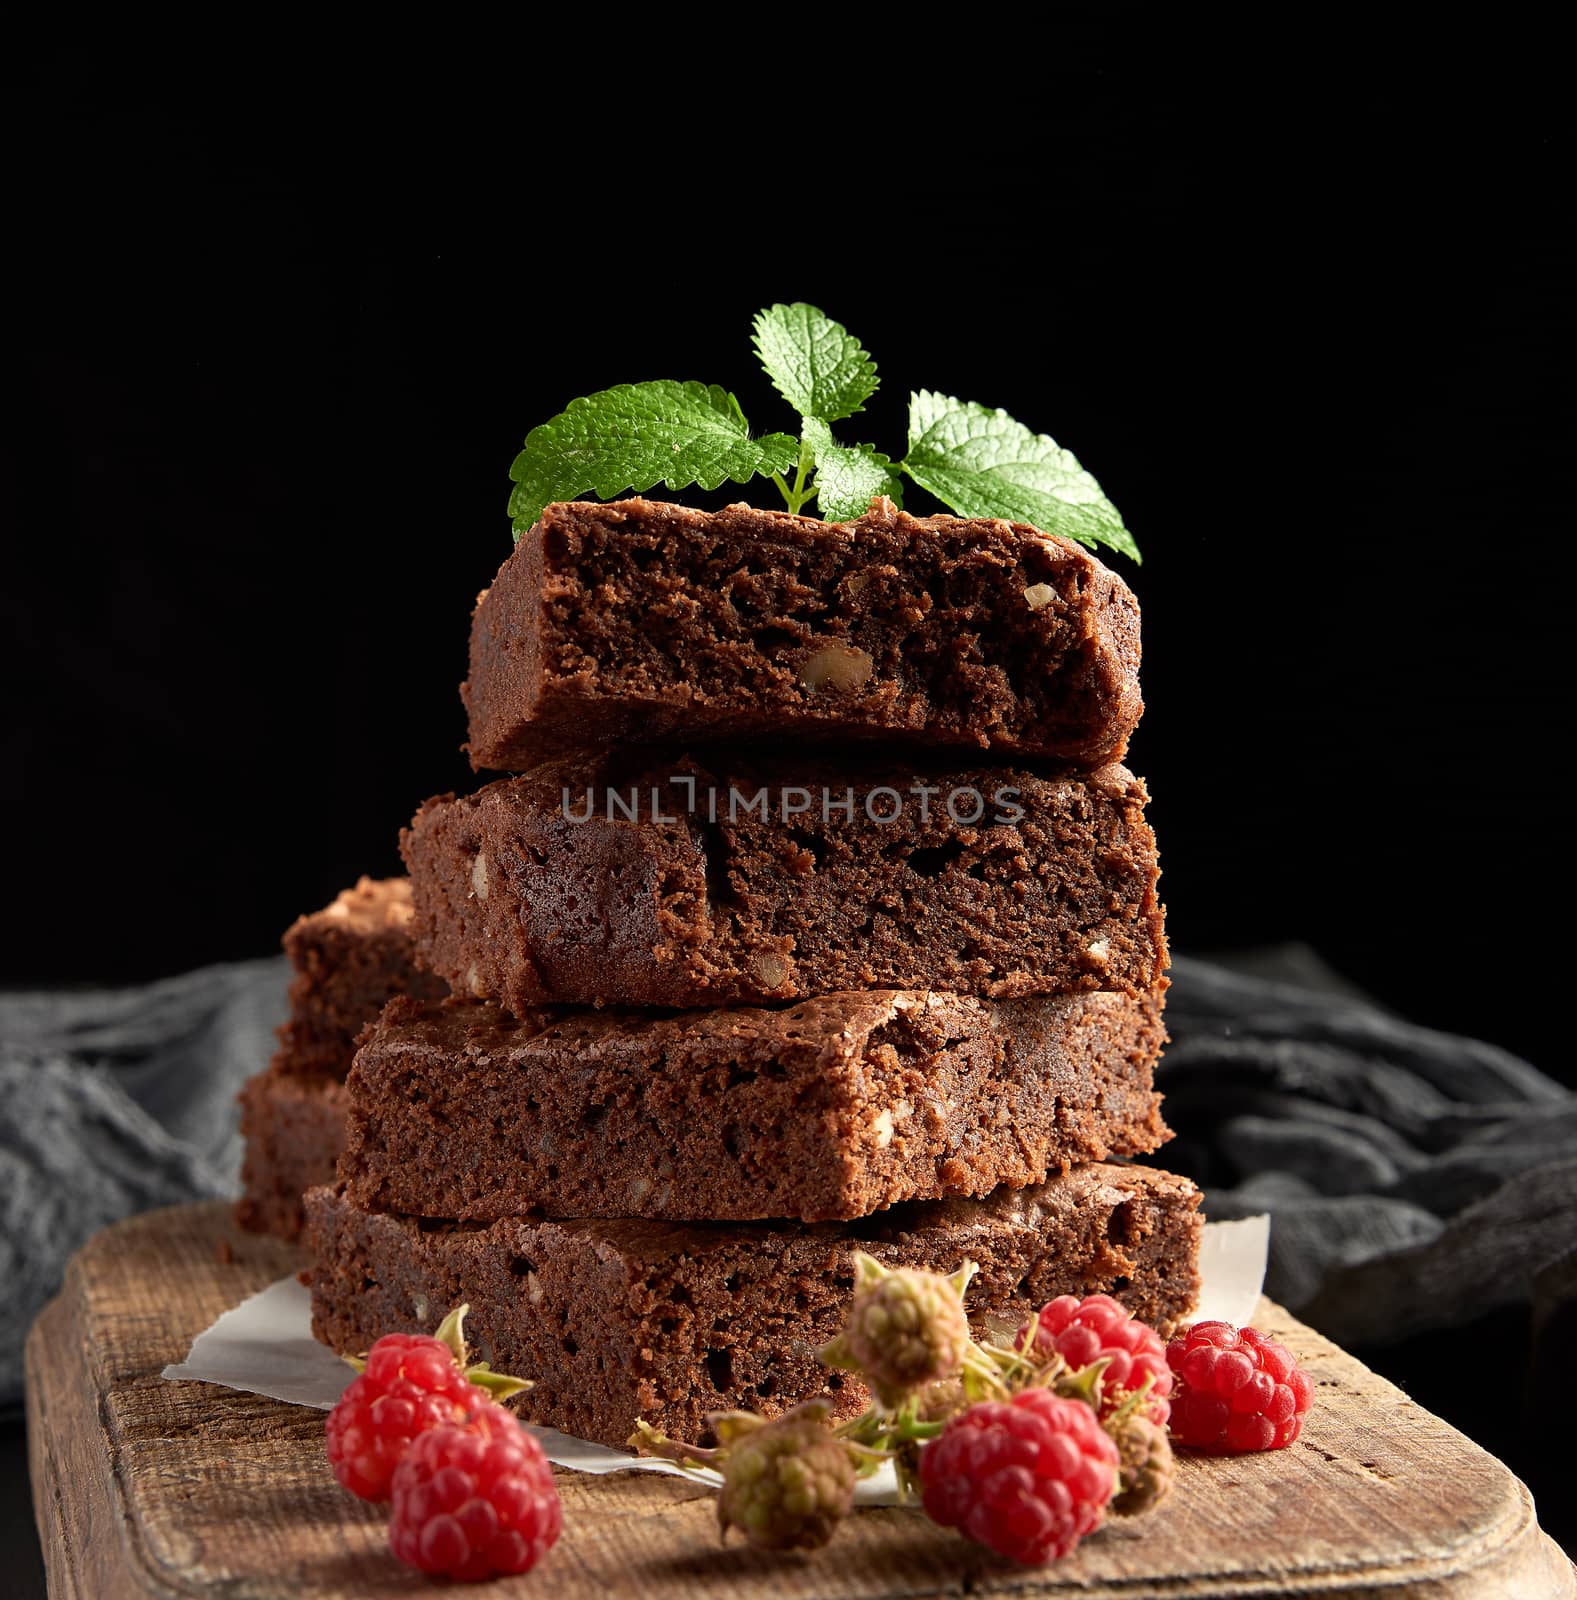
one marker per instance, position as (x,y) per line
(114,1101)
(1415,1179)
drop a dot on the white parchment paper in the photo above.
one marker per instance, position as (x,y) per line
(265,1346)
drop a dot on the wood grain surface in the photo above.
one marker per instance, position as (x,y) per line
(149,1488)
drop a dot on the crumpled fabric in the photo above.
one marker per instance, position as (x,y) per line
(114,1101)
(1416,1179)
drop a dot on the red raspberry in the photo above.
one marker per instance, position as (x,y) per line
(1027,1477)
(1082,1331)
(1236,1391)
(411,1383)
(474,1500)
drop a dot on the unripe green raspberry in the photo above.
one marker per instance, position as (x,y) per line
(906,1329)
(1145,1461)
(786,1486)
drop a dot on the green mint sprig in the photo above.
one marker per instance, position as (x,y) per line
(977,461)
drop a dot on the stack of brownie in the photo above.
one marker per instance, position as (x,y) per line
(350,959)
(819,917)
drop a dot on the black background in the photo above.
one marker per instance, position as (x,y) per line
(271,376)
(272,355)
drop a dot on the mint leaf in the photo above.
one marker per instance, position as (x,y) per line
(635,436)
(848,476)
(981,463)
(814,362)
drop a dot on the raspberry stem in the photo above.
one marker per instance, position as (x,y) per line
(647,1441)
(1136,1398)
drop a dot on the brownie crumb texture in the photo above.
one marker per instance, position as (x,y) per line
(520,900)
(646,620)
(349,959)
(293,1129)
(830,1109)
(617,1320)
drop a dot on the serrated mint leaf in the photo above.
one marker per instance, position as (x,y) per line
(814,362)
(635,436)
(981,463)
(848,476)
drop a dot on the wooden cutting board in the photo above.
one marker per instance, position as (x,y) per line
(149,1488)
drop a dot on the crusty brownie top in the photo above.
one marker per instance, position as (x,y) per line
(1035,1209)
(464,1030)
(1042,1207)
(833,1026)
(374,905)
(472,1030)
(644,784)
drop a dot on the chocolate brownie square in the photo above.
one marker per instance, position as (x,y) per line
(645,620)
(350,959)
(830,1109)
(623,1320)
(293,1125)
(632,880)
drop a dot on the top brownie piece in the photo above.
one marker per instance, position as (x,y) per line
(350,959)
(645,620)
